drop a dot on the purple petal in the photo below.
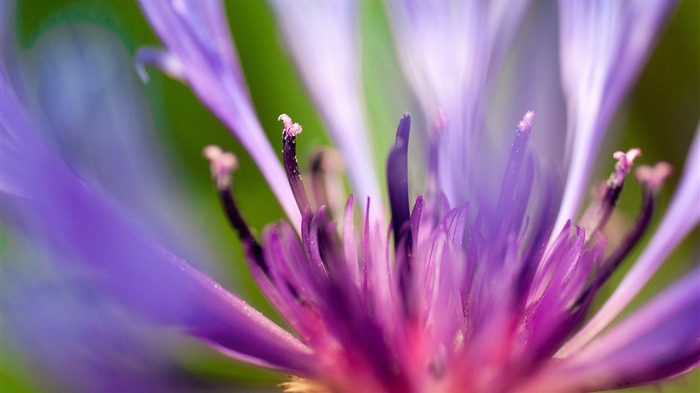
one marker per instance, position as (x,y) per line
(602,49)
(681,217)
(526,83)
(62,211)
(90,109)
(658,341)
(51,316)
(323,40)
(196,33)
(450,52)
(160,59)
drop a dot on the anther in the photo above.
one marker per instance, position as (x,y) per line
(438,124)
(623,166)
(222,165)
(290,128)
(525,125)
(397,179)
(325,168)
(291,166)
(614,186)
(514,165)
(652,179)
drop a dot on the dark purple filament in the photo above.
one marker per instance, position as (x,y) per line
(397,181)
(289,153)
(252,247)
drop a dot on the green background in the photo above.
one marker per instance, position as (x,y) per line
(661,114)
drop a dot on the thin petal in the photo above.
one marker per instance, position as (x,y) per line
(602,48)
(323,40)
(90,109)
(527,83)
(75,221)
(660,340)
(682,216)
(8,41)
(450,52)
(53,315)
(161,59)
(196,33)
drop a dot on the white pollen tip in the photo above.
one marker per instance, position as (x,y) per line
(211,152)
(295,129)
(221,164)
(525,125)
(286,120)
(626,160)
(290,128)
(624,164)
(228,162)
(653,176)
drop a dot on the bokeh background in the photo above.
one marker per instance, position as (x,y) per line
(660,116)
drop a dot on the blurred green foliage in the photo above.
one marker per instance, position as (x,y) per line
(660,116)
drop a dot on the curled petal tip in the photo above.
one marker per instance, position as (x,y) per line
(161,59)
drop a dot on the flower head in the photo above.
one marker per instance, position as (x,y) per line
(477,276)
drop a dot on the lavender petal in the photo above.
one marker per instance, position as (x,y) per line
(681,217)
(196,33)
(450,52)
(659,340)
(75,221)
(603,47)
(323,40)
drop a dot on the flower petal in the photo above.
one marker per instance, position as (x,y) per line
(680,218)
(73,220)
(527,83)
(196,33)
(658,341)
(450,52)
(90,108)
(323,40)
(603,47)
(51,316)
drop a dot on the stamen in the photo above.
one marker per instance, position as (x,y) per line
(652,179)
(222,165)
(623,166)
(326,180)
(517,152)
(439,124)
(317,165)
(397,179)
(614,187)
(289,153)
(525,125)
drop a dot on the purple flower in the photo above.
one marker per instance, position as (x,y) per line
(472,272)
